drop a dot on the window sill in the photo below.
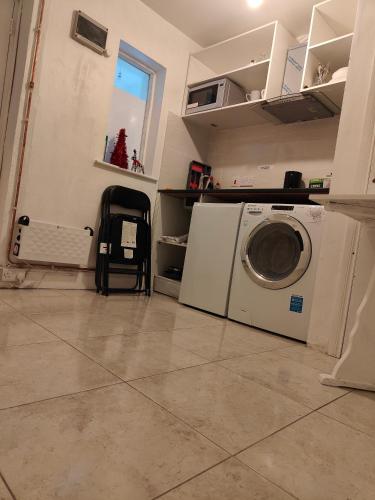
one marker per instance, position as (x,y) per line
(115,168)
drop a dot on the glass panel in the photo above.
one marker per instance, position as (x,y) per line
(128,108)
(132,79)
(274,251)
(204,96)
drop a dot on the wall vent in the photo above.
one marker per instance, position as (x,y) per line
(89,32)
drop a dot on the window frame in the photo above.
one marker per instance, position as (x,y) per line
(149,101)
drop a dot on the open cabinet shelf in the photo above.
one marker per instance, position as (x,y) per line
(333,91)
(252,76)
(175,244)
(239,51)
(335,51)
(332,19)
(330,41)
(254,61)
(238,115)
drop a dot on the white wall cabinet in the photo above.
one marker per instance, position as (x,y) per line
(255,60)
(330,42)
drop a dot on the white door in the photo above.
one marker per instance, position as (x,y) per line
(6,14)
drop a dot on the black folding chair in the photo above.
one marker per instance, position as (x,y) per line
(124,241)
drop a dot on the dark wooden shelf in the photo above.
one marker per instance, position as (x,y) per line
(300,196)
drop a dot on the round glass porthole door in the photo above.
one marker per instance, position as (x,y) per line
(277,253)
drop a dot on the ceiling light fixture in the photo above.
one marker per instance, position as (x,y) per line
(254,3)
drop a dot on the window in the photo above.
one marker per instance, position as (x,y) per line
(136,104)
(131,79)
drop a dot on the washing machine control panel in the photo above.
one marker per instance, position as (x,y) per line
(252,209)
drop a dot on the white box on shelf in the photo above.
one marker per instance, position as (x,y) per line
(295,63)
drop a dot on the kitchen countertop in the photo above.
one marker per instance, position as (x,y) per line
(275,195)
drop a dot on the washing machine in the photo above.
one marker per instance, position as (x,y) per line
(275,267)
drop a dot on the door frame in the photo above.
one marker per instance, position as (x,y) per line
(14,26)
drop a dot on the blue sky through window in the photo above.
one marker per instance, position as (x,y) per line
(131,79)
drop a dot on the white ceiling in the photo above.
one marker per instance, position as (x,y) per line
(210,21)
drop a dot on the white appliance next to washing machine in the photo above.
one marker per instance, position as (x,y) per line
(275,267)
(210,255)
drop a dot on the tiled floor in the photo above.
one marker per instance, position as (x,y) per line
(129,398)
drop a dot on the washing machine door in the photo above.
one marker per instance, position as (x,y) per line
(277,252)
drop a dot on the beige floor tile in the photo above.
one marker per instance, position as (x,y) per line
(136,356)
(143,317)
(36,303)
(5,308)
(356,409)
(317,458)
(16,329)
(27,293)
(157,320)
(4,492)
(309,357)
(39,371)
(228,481)
(84,324)
(106,444)
(226,340)
(123,303)
(229,409)
(284,376)
(29,301)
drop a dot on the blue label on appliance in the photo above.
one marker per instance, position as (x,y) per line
(296,303)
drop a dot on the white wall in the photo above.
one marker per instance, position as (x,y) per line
(71,106)
(306,147)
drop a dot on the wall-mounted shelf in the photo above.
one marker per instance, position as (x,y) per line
(332,19)
(252,76)
(334,91)
(330,41)
(335,51)
(238,51)
(252,113)
(238,115)
(330,38)
(255,60)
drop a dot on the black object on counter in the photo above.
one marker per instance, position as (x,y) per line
(173,273)
(292,180)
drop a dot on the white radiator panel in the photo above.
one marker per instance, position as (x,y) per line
(51,244)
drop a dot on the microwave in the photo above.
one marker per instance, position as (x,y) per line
(212,95)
